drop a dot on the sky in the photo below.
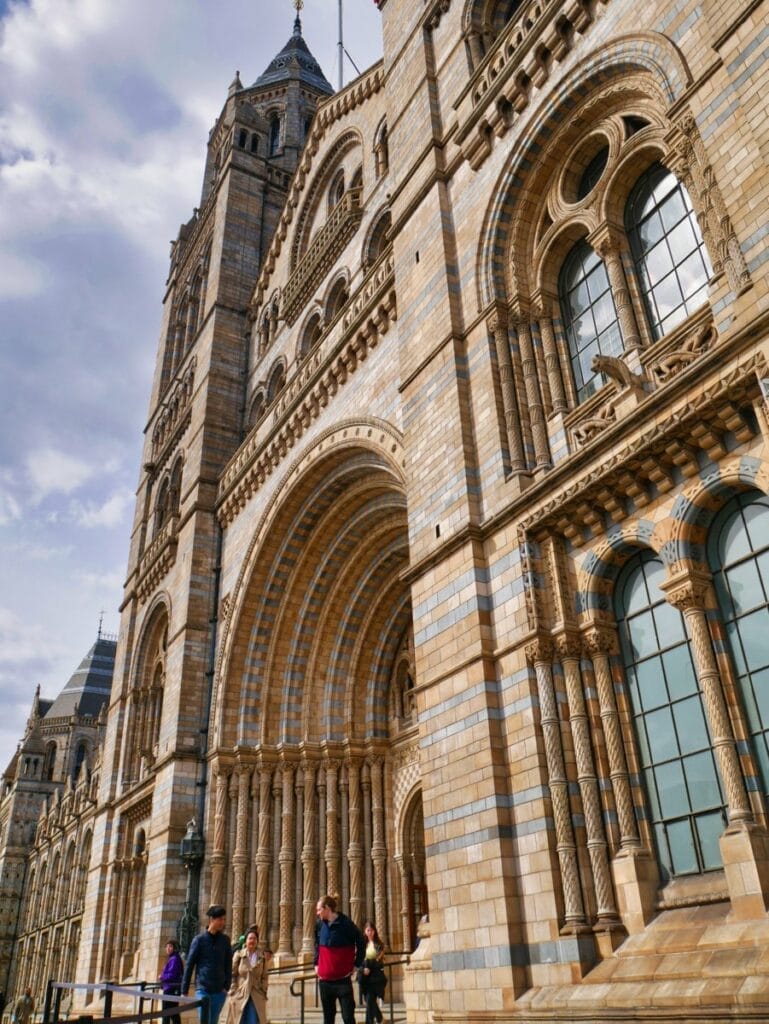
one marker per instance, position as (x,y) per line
(105,109)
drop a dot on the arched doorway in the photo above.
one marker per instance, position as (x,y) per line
(414,881)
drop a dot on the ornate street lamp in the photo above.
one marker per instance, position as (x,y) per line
(191,853)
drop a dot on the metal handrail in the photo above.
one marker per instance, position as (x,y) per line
(304,978)
(144,992)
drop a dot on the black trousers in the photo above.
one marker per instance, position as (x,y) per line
(330,992)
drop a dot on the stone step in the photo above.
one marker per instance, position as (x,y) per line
(315,1016)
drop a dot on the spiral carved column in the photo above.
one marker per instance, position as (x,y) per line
(286,861)
(608,245)
(263,858)
(309,856)
(497,325)
(378,847)
(540,654)
(220,833)
(332,829)
(600,644)
(552,361)
(240,856)
(689,596)
(569,649)
(355,848)
(533,398)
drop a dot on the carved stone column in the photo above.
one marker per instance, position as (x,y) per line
(608,244)
(636,877)
(332,830)
(601,643)
(540,654)
(240,856)
(355,848)
(569,651)
(378,847)
(232,830)
(221,774)
(309,857)
(533,398)
(322,886)
(552,361)
(263,858)
(744,845)
(365,783)
(497,325)
(405,909)
(286,860)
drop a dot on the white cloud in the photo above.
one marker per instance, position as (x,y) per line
(109,513)
(52,472)
(108,581)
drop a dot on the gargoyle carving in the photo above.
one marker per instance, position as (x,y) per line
(617,370)
(693,346)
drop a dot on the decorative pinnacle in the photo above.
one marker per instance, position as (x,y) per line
(298,5)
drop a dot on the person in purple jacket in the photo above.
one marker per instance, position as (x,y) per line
(171,978)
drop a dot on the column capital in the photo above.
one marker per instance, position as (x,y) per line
(497,318)
(600,639)
(569,646)
(687,590)
(539,649)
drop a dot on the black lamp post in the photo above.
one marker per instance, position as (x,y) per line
(191,852)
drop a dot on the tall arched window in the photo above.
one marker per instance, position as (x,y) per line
(683,790)
(49,763)
(739,558)
(276,383)
(80,761)
(310,335)
(274,134)
(670,258)
(337,299)
(589,315)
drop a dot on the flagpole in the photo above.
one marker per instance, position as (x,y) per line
(341,49)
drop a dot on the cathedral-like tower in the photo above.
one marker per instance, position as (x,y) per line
(154,777)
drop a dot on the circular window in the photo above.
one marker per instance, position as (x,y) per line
(592,173)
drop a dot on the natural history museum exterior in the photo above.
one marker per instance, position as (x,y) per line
(448,586)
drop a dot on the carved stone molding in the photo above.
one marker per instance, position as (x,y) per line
(158,558)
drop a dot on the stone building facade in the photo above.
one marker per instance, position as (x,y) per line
(46,810)
(448,582)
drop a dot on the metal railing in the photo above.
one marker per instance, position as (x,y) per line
(143,992)
(302,980)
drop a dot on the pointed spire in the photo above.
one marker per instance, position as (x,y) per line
(235,85)
(298,4)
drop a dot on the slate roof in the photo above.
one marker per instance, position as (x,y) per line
(295,61)
(89,685)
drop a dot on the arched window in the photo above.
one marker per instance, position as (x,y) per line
(162,508)
(487,20)
(175,488)
(257,408)
(683,791)
(80,762)
(254,147)
(310,335)
(277,380)
(242,138)
(589,315)
(274,134)
(670,258)
(49,763)
(379,239)
(739,558)
(336,190)
(337,299)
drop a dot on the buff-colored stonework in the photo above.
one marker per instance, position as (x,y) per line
(370,635)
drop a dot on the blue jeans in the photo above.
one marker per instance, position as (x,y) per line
(217,1002)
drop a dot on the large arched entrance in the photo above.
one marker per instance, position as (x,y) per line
(315,730)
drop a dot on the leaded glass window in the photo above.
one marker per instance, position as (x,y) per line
(684,796)
(739,558)
(671,261)
(589,315)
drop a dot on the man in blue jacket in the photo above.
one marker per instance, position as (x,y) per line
(210,957)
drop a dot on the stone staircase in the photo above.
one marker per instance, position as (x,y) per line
(315,1016)
(691,964)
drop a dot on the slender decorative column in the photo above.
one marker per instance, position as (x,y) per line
(240,856)
(378,847)
(344,836)
(286,861)
(552,362)
(276,836)
(309,857)
(405,909)
(569,650)
(365,782)
(323,884)
(220,833)
(540,654)
(111,965)
(332,830)
(497,325)
(533,398)
(355,848)
(608,245)
(476,48)
(263,858)
(688,594)
(601,643)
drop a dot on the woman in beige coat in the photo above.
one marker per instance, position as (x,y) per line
(247,998)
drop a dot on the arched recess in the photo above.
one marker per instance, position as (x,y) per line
(338,154)
(661,76)
(412,865)
(320,609)
(145,699)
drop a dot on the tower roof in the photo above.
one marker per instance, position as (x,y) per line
(89,685)
(295,61)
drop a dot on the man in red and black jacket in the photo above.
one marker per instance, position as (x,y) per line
(339,950)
